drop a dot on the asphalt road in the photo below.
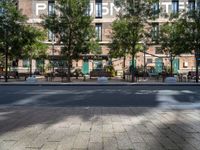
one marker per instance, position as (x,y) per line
(100,96)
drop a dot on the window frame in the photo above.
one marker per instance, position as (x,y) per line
(98,9)
(155,31)
(51,5)
(98,30)
(175,6)
(156,9)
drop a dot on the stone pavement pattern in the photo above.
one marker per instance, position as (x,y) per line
(96,128)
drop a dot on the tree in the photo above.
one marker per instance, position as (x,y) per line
(11,26)
(129,28)
(34,48)
(172,35)
(73,27)
(191,19)
(182,34)
(122,41)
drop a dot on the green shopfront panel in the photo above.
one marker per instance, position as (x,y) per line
(85,68)
(175,65)
(159,65)
(134,63)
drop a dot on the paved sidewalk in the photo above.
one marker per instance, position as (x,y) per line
(96,128)
(117,81)
(95,83)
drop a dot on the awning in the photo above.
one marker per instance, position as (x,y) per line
(82,56)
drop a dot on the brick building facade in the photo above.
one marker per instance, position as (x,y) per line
(104,13)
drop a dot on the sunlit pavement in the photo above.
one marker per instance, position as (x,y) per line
(62,118)
(99,128)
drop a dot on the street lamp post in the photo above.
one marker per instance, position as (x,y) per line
(53,49)
(6,55)
(197,65)
(144,50)
(6,48)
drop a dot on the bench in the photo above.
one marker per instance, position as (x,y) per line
(100,74)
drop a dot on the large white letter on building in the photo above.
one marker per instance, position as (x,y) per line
(39,7)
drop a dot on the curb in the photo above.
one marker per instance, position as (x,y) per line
(100,84)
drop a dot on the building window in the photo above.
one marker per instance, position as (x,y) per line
(50,36)
(155,31)
(175,6)
(185,64)
(51,7)
(156,9)
(88,10)
(149,61)
(26,63)
(191,5)
(1,9)
(98,8)
(98,29)
(158,50)
(198,5)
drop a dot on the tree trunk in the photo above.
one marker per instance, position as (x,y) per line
(133,69)
(144,75)
(171,70)
(69,71)
(43,63)
(197,70)
(124,65)
(30,65)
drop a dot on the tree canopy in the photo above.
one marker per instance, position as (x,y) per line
(181,34)
(129,28)
(73,27)
(11,25)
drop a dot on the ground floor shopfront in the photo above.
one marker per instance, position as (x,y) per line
(181,64)
(152,61)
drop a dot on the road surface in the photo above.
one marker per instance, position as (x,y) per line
(100,96)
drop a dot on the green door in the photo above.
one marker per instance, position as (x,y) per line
(159,65)
(175,65)
(131,62)
(85,68)
(40,65)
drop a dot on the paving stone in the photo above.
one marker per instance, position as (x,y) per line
(152,142)
(82,140)
(67,143)
(73,130)
(168,144)
(123,141)
(99,128)
(25,141)
(194,143)
(6,145)
(141,146)
(96,137)
(110,144)
(14,135)
(108,134)
(85,127)
(95,146)
(58,134)
(142,129)
(107,128)
(50,146)
(41,139)
(117,127)
(135,137)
